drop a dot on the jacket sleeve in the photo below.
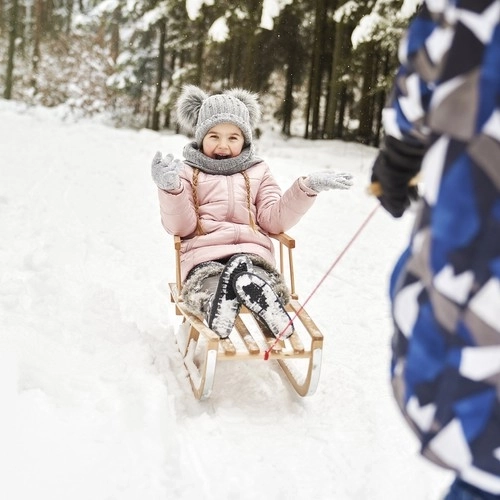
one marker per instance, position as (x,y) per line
(277,212)
(420,54)
(177,211)
(406,113)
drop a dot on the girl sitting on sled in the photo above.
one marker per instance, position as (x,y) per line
(223,201)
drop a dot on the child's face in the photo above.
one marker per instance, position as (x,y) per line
(223,141)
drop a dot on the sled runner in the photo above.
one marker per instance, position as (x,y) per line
(299,356)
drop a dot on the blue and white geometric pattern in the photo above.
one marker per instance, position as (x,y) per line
(445,290)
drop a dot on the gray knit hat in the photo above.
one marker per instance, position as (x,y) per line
(198,112)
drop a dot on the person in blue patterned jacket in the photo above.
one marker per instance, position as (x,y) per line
(442,122)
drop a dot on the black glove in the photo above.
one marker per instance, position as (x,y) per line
(395,166)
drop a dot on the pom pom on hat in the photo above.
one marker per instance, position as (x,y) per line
(188,106)
(198,112)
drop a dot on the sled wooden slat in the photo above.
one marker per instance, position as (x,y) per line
(297,344)
(306,320)
(250,339)
(275,346)
(246,337)
(271,343)
(227,347)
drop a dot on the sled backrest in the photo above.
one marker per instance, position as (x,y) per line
(284,257)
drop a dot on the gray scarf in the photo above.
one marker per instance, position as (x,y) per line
(195,158)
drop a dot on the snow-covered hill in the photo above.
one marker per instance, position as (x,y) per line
(95,401)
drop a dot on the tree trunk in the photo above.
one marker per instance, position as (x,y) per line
(199,51)
(288,104)
(38,30)
(37,38)
(365,130)
(312,131)
(250,55)
(248,63)
(69,17)
(9,77)
(159,75)
(234,73)
(3,21)
(168,110)
(381,98)
(115,36)
(48,16)
(342,104)
(335,82)
(291,51)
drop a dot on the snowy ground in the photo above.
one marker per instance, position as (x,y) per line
(95,400)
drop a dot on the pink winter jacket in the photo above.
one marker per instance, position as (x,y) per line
(223,211)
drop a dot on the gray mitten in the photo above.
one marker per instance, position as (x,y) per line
(165,172)
(322,181)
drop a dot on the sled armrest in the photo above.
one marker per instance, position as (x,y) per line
(177,246)
(284,240)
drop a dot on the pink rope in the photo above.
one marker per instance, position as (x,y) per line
(315,289)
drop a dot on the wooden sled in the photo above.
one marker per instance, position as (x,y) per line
(299,356)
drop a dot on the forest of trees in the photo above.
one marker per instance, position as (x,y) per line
(130,58)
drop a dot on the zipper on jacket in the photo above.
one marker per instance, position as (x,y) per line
(230,197)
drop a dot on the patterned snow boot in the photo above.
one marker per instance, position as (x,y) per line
(259,297)
(225,305)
